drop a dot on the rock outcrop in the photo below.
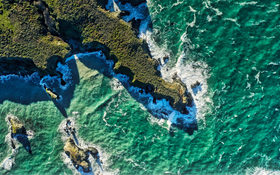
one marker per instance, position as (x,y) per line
(18,132)
(78,156)
(40,30)
(51,93)
(77,151)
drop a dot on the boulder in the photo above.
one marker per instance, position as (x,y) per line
(78,156)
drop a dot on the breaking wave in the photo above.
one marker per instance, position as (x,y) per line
(190,72)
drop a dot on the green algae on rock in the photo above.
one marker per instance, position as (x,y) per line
(85,27)
(23,34)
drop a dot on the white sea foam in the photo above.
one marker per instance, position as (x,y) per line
(257,77)
(189,73)
(192,24)
(139,12)
(8,162)
(157,52)
(186,40)
(116,84)
(135,164)
(248,3)
(274,63)
(161,122)
(105,115)
(105,120)
(234,20)
(177,3)
(208,5)
(261,171)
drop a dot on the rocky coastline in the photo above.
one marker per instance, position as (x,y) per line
(54,33)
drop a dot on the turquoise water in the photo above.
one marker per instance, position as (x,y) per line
(237,40)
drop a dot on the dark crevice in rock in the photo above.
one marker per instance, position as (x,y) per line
(133,2)
(17,66)
(48,19)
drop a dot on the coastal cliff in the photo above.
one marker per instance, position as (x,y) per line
(51,30)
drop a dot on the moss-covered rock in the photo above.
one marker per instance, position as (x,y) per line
(85,26)
(23,34)
(94,24)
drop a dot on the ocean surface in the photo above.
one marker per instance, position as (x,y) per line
(231,47)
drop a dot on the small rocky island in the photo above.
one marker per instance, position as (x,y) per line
(19,133)
(82,157)
(50,92)
(16,138)
(79,156)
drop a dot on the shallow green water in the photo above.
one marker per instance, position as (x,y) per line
(239,43)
